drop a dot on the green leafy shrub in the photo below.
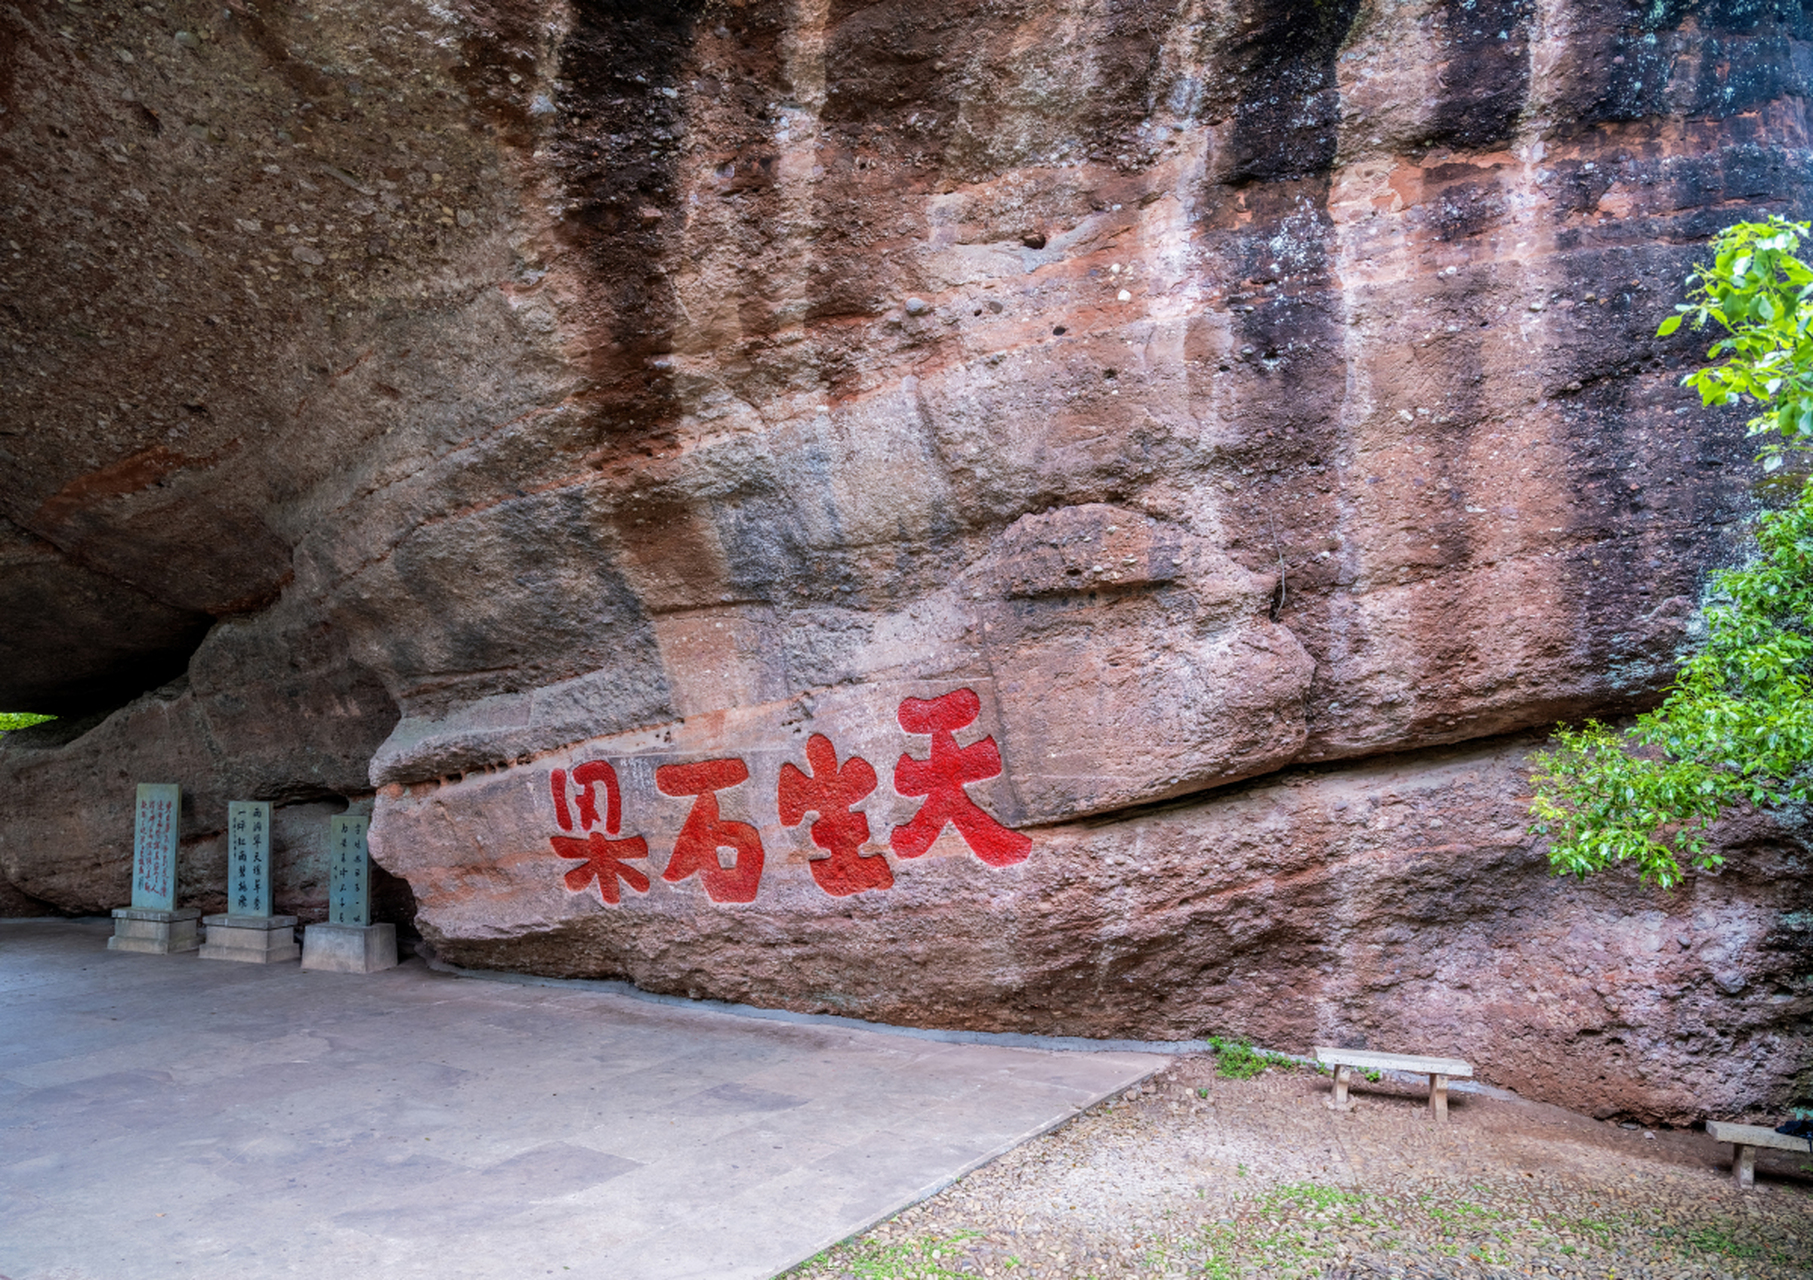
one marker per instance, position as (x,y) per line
(1737,723)
(20,720)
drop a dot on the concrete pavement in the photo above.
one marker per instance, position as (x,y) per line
(164,1116)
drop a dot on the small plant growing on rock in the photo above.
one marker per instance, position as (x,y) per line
(1238,1060)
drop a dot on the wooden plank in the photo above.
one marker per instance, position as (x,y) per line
(1367,1060)
(1754,1135)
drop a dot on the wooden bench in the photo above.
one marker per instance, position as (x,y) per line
(1439,1071)
(1744,1140)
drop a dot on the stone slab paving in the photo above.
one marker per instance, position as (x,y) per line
(161,1116)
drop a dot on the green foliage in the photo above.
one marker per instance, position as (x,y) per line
(1310,1195)
(1761,295)
(867,1259)
(20,720)
(1708,1239)
(1238,1060)
(1737,723)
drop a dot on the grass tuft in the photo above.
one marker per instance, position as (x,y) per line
(1238,1060)
(916,1259)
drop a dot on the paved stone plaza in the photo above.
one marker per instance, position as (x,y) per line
(164,1116)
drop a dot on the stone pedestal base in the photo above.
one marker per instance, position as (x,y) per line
(157,933)
(251,939)
(349,948)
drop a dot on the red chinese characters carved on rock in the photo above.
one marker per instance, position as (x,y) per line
(600,858)
(942,777)
(830,791)
(706,831)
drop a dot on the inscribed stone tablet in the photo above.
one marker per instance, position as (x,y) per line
(349,873)
(154,846)
(249,858)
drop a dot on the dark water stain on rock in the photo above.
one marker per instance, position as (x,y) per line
(1287,107)
(619,138)
(1485,79)
(1714,58)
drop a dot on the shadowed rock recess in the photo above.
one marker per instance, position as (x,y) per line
(1045,517)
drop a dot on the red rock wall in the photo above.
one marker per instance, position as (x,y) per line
(1218,393)
(1389,903)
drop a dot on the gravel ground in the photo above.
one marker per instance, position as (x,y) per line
(1194,1175)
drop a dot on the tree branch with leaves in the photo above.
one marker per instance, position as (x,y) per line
(1736,725)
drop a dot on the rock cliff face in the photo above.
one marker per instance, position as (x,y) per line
(1052,517)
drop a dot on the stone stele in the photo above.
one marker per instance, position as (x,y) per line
(153,923)
(249,858)
(348,941)
(248,931)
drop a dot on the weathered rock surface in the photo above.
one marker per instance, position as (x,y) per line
(271,708)
(1209,392)
(1389,904)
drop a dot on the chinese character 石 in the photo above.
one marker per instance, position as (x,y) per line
(600,857)
(706,831)
(941,779)
(829,791)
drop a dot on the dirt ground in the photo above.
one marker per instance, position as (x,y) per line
(1196,1175)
